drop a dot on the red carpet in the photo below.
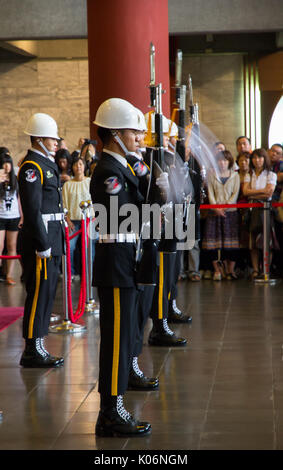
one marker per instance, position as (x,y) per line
(9,315)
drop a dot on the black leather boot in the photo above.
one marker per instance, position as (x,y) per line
(115,421)
(138,381)
(35,356)
(161,335)
(60,359)
(175,315)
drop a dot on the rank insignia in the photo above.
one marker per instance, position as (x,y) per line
(49,174)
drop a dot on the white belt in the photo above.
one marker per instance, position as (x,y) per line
(52,217)
(118,238)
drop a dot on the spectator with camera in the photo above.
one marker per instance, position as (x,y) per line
(10,213)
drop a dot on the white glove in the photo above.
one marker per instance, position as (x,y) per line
(44,254)
(162,181)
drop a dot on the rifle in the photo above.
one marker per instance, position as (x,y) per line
(180,101)
(198,171)
(147,250)
(156,103)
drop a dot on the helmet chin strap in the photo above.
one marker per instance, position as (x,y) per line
(41,144)
(120,142)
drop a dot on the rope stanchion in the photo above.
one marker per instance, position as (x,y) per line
(69,324)
(266,279)
(266,207)
(91,305)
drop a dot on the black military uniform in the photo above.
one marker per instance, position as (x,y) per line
(40,194)
(181,173)
(114,277)
(161,334)
(146,280)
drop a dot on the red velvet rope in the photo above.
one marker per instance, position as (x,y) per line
(74,317)
(75,234)
(240,205)
(202,206)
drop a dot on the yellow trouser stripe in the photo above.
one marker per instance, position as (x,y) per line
(116,342)
(45,269)
(160,292)
(35,298)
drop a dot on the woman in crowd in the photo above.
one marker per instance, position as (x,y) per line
(74,192)
(221,230)
(10,213)
(243,261)
(63,161)
(259,185)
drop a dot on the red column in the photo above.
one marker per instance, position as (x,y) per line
(119,36)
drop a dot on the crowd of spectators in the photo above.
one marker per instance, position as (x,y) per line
(231,239)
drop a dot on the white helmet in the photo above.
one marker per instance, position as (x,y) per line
(143,125)
(116,113)
(150,121)
(173,129)
(42,125)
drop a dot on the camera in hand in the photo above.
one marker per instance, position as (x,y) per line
(89,141)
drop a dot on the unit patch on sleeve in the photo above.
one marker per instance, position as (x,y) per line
(30,175)
(140,169)
(112,185)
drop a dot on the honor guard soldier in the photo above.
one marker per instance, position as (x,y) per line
(180,175)
(41,237)
(146,281)
(119,126)
(161,334)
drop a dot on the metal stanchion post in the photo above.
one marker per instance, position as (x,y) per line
(265,279)
(90,306)
(66,326)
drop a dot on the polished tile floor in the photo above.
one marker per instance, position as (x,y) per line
(224,390)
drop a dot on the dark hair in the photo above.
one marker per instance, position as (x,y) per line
(63,154)
(105,135)
(75,160)
(261,152)
(218,143)
(243,137)
(4,150)
(13,182)
(225,155)
(277,145)
(247,155)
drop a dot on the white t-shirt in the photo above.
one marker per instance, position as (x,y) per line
(9,206)
(259,182)
(73,193)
